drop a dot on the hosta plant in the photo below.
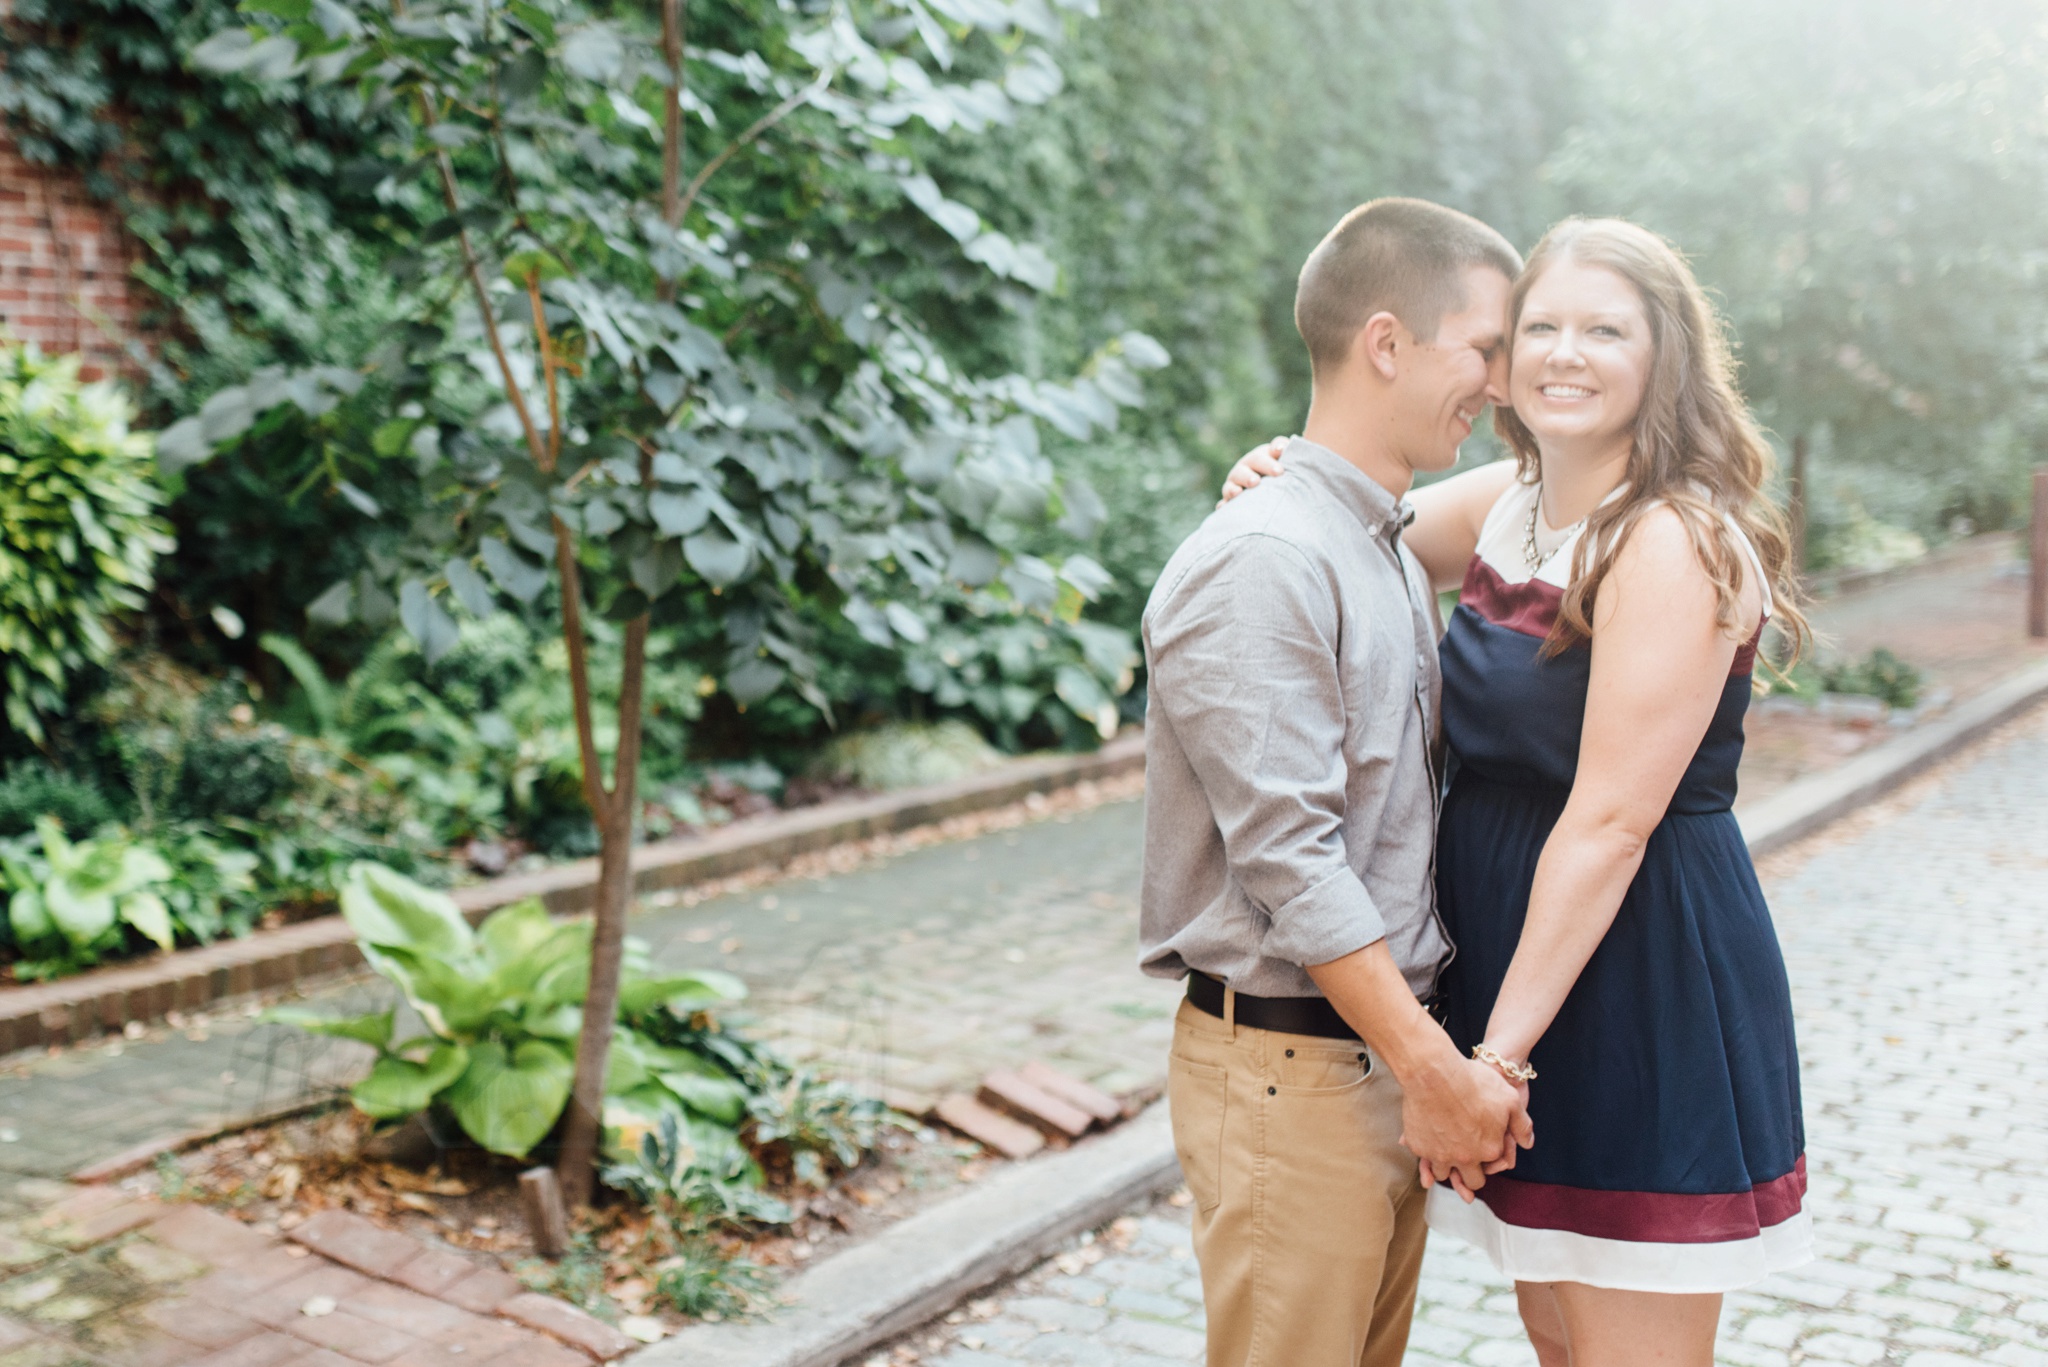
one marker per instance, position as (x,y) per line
(71,903)
(502,1005)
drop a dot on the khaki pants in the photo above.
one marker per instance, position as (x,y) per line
(1308,1212)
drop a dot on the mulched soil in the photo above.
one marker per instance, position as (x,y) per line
(277,1176)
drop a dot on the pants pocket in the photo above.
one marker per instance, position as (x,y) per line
(1195,1100)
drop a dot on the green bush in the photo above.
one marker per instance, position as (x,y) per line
(503,1006)
(71,904)
(1880,674)
(34,788)
(907,755)
(79,528)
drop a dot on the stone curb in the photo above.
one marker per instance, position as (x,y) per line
(1804,806)
(924,1265)
(103,1000)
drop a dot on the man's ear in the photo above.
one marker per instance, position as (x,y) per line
(1378,343)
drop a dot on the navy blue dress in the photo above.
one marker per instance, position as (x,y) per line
(1669,1148)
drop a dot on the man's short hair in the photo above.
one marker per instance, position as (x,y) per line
(1406,257)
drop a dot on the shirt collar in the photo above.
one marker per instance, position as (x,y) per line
(1376,509)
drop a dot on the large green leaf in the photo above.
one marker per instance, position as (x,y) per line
(82,913)
(552,971)
(452,1002)
(680,991)
(552,1022)
(147,913)
(138,867)
(374,1029)
(387,909)
(29,917)
(564,977)
(508,1102)
(720,1098)
(511,931)
(400,1087)
(626,1066)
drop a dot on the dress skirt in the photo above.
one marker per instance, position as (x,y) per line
(1669,1149)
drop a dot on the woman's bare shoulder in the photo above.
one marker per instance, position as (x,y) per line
(1661,556)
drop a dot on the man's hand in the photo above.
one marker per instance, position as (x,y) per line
(1464,1122)
(1458,1115)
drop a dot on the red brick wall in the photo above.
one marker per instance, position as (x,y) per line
(63,265)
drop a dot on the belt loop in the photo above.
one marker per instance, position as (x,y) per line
(1230,1009)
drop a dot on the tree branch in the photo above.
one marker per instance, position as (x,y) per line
(548,368)
(579,669)
(452,197)
(760,126)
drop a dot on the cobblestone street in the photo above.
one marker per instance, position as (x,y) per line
(1915,936)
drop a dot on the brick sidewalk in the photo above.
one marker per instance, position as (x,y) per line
(108,1278)
(1916,939)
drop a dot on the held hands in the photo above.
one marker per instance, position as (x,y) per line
(1465,1121)
(1254,464)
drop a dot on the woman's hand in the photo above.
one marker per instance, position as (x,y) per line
(1253,465)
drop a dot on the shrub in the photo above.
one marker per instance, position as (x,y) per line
(79,530)
(502,1005)
(34,788)
(71,903)
(907,755)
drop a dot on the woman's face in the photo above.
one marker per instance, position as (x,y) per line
(1581,357)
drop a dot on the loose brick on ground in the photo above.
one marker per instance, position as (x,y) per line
(354,1242)
(283,1305)
(352,1336)
(267,1349)
(483,1290)
(566,1322)
(200,1324)
(541,1352)
(207,1235)
(434,1271)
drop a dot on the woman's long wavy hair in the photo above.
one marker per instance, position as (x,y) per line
(1697,449)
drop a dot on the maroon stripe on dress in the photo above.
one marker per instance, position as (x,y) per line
(1647,1217)
(1529,608)
(1745,654)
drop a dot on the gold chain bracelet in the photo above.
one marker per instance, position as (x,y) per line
(1514,1072)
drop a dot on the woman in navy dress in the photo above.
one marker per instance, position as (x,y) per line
(1613,945)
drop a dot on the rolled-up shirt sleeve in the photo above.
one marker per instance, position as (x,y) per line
(1242,655)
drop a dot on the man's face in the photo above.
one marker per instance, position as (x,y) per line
(1448,382)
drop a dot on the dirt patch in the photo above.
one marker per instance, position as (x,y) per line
(278,1176)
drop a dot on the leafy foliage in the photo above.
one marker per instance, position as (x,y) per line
(1866,220)
(503,1005)
(72,903)
(815,443)
(79,528)
(33,788)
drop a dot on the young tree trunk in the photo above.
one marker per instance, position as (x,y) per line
(584,1125)
(614,810)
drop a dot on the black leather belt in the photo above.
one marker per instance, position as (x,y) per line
(1288,1015)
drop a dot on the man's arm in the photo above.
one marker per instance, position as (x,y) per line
(1458,1115)
(1243,660)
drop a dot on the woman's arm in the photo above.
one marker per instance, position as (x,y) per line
(1660,664)
(1448,517)
(1448,514)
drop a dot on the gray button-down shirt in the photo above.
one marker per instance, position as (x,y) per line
(1291,738)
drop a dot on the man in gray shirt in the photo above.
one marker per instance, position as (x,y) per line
(1290,815)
